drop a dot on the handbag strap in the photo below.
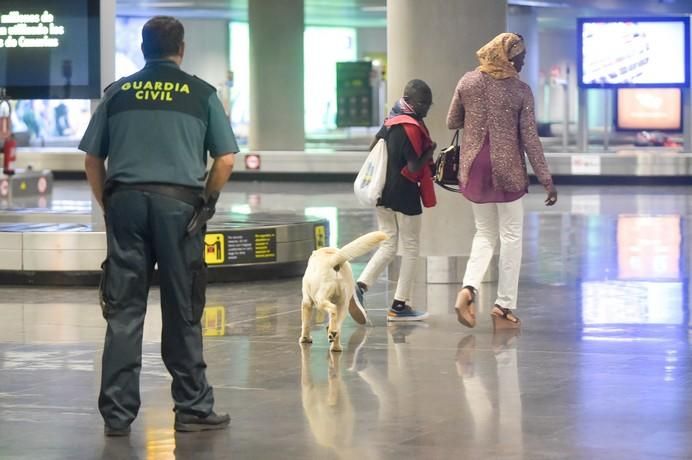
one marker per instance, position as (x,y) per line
(455,139)
(448,187)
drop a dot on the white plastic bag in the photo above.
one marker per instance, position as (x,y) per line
(370,180)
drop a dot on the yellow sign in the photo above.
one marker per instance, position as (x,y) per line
(320,236)
(214,253)
(22,186)
(214,321)
(155,90)
(263,245)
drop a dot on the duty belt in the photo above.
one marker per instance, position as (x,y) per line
(189,195)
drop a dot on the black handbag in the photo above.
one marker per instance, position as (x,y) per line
(447,166)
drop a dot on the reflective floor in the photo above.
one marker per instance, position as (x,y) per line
(602,368)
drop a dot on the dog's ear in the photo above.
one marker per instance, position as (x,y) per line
(337,268)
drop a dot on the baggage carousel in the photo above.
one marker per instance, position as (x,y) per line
(626,165)
(63,248)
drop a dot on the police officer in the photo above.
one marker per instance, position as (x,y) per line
(155,127)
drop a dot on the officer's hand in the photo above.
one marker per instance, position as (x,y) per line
(203,212)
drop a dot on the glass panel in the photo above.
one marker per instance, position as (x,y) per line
(324,47)
(240,92)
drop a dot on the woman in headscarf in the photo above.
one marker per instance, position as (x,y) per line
(496,111)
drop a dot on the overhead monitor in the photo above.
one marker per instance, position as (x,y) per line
(633,52)
(651,109)
(50,49)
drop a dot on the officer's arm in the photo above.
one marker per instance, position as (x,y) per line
(96,144)
(221,170)
(96,175)
(222,146)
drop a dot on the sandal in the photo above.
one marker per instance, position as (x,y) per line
(509,319)
(465,306)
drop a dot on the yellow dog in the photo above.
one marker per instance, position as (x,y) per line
(328,284)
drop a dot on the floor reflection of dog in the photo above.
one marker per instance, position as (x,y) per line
(328,285)
(327,406)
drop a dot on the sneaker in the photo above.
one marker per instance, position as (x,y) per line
(190,423)
(113,432)
(356,306)
(407,314)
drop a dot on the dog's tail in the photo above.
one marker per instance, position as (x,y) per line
(357,247)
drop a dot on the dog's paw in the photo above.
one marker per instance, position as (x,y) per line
(333,336)
(335,346)
(305,340)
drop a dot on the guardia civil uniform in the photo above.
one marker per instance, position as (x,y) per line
(155,128)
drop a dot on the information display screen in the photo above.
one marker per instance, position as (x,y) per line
(49,49)
(658,109)
(634,52)
(354,94)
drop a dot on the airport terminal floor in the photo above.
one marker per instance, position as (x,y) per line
(602,368)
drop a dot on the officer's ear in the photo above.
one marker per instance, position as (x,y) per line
(181,50)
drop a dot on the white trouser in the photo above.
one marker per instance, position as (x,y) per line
(397,226)
(505,220)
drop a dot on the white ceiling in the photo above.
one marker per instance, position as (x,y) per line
(358,13)
(372,13)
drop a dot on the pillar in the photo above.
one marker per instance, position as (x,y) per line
(107,25)
(276,75)
(523,20)
(436,41)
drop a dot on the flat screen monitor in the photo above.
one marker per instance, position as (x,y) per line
(50,49)
(654,109)
(633,52)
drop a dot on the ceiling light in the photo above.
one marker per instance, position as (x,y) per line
(373,9)
(537,4)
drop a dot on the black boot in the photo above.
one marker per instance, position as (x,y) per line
(189,422)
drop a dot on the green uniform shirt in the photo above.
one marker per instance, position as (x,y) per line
(157,125)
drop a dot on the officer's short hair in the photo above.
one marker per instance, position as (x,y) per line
(162,36)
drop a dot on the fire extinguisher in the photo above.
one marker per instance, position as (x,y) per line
(9,154)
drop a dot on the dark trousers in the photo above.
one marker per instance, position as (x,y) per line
(142,229)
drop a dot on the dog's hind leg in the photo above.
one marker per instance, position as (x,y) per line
(339,320)
(333,330)
(306,316)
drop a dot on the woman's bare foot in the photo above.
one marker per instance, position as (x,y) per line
(504,318)
(466,306)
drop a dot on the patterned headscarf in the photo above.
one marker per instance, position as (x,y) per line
(495,55)
(401,107)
